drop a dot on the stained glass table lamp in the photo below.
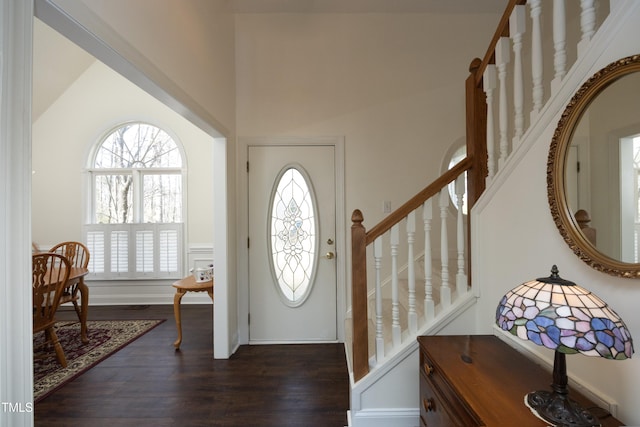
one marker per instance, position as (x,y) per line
(562,316)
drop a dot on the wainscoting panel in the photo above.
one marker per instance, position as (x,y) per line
(151,292)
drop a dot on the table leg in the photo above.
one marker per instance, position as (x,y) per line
(84,304)
(176,313)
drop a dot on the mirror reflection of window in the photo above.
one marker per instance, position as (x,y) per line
(630,198)
(629,176)
(636,176)
(636,198)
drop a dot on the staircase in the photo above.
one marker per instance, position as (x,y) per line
(417,291)
(401,286)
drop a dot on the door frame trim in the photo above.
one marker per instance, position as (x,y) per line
(243,222)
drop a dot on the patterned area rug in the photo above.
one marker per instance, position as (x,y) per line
(105,338)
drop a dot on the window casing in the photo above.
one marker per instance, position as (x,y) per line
(136,226)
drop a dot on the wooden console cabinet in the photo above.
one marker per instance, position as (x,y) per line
(479,380)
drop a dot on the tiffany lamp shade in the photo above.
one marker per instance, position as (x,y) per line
(560,315)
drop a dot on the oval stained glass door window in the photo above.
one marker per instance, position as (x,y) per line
(293,235)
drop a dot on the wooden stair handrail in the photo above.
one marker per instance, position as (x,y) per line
(501,31)
(416,201)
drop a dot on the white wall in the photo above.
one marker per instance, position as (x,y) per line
(516,240)
(391,84)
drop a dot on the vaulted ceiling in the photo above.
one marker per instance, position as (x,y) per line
(57,62)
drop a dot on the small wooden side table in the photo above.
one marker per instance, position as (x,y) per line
(188,284)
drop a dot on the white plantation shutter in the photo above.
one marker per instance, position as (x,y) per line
(95,243)
(168,245)
(119,251)
(134,251)
(144,251)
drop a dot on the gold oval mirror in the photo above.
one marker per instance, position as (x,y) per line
(593,170)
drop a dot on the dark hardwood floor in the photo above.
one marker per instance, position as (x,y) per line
(148,383)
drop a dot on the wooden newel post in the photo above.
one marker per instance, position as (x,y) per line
(476,108)
(359,296)
(476,111)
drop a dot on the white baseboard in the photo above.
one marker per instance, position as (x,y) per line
(147,299)
(139,293)
(381,417)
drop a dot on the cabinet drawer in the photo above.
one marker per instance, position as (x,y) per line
(440,404)
(432,373)
(432,410)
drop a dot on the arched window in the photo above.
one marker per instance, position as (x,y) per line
(136,201)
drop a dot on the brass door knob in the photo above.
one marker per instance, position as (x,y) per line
(330,255)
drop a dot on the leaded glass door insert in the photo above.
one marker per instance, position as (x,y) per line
(292,235)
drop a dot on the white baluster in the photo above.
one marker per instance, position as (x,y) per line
(411,233)
(395,303)
(489,82)
(587,25)
(517,27)
(503,57)
(445,289)
(461,277)
(536,57)
(559,43)
(377,256)
(429,305)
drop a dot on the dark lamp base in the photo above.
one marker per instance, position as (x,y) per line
(559,410)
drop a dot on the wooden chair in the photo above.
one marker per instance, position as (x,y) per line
(78,256)
(50,273)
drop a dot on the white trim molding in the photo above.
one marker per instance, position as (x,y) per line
(16,343)
(403,417)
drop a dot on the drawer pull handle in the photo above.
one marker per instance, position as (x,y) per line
(428,369)
(429,405)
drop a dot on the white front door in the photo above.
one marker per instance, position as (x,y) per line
(292,268)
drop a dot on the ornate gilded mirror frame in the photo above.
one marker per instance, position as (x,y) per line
(562,216)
